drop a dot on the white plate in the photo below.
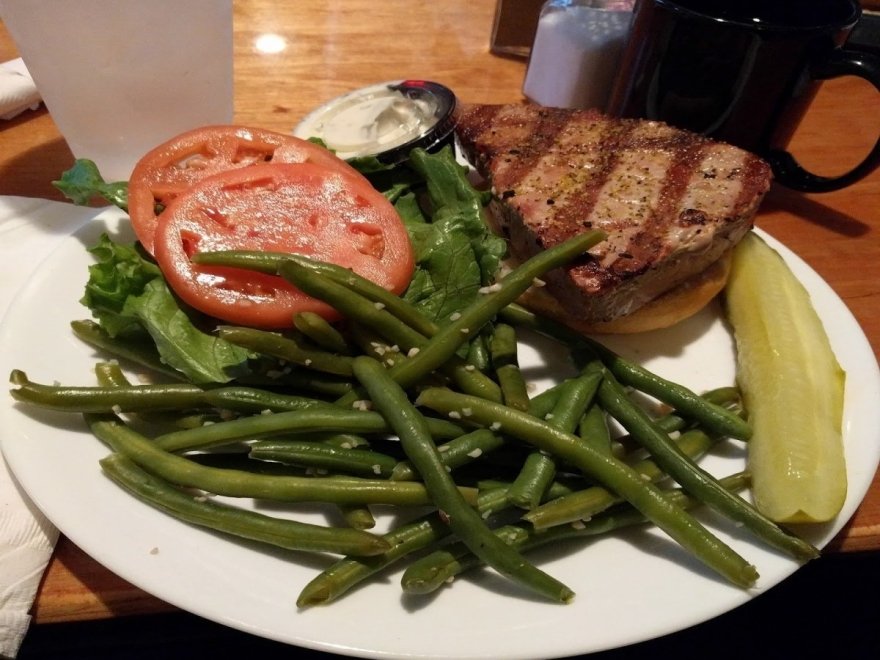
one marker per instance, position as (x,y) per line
(631,586)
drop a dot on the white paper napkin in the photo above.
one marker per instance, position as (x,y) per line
(17,89)
(29,230)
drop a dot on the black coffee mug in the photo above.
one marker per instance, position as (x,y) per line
(742,71)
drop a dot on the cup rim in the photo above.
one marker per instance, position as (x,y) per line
(848,21)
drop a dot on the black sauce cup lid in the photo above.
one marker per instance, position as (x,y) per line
(386,120)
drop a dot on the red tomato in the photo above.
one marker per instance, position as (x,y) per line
(174,166)
(301,208)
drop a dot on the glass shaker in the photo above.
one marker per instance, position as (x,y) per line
(577,48)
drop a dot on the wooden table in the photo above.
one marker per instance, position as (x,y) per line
(332,48)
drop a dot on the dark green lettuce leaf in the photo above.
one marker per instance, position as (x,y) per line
(455,252)
(204,358)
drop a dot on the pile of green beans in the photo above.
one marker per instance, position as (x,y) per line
(390,407)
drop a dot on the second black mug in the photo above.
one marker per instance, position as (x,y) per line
(743,72)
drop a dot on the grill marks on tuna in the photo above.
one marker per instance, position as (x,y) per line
(670,201)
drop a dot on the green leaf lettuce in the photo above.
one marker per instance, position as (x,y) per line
(129,298)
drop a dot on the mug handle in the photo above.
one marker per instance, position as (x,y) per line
(786,169)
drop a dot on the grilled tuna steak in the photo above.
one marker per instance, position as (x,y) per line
(672,202)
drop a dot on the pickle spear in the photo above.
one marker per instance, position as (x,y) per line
(792,386)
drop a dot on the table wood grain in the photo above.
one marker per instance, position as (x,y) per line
(332,48)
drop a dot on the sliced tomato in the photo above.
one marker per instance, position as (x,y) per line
(301,208)
(174,166)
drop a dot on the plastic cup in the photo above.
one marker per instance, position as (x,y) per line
(121,76)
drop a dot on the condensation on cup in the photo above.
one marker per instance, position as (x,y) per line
(577,47)
(121,76)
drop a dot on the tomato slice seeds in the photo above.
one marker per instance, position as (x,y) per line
(171,168)
(330,214)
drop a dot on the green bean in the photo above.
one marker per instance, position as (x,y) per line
(492,500)
(314,383)
(455,453)
(270,263)
(503,350)
(693,478)
(324,418)
(584,504)
(256,260)
(240,461)
(239,483)
(608,471)
(728,396)
(537,473)
(429,573)
(517,315)
(257,426)
(373,344)
(444,344)
(203,511)
(351,305)
(593,429)
(169,396)
(539,470)
(248,399)
(143,353)
(575,397)
(542,404)
(405,312)
(286,348)
(373,315)
(478,353)
(110,374)
(321,332)
(416,441)
(105,399)
(341,440)
(357,516)
(363,462)
(671,422)
(714,418)
(342,576)
(492,483)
